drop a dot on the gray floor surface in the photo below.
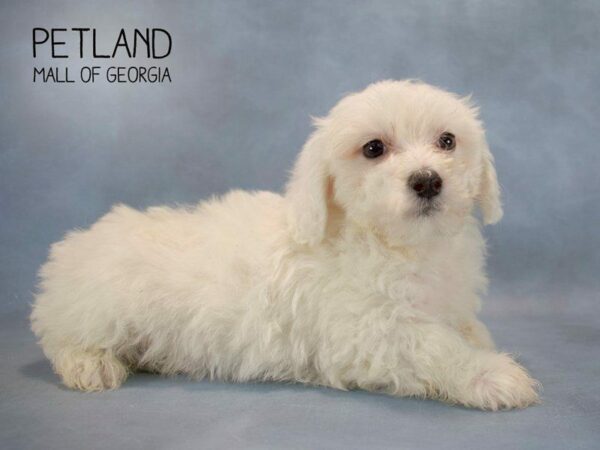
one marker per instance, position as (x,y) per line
(560,347)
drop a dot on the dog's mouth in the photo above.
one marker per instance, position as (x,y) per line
(428,208)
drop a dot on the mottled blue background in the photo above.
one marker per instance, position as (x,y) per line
(246,77)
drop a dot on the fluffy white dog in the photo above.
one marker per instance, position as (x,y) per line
(365,274)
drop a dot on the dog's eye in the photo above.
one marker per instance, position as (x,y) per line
(447,141)
(373,149)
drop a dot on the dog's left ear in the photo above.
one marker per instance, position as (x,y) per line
(489,190)
(306,193)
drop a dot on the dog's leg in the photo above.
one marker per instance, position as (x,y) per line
(453,370)
(477,334)
(427,359)
(86,370)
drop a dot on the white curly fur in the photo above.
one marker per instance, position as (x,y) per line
(340,282)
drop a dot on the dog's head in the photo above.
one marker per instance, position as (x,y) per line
(401,158)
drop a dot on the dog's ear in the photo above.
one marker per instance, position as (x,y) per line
(306,192)
(489,190)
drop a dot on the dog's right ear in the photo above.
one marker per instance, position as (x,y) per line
(306,192)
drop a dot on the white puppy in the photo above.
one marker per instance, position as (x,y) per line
(365,274)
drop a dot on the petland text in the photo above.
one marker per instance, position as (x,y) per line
(62,43)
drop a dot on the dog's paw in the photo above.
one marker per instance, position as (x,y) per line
(501,383)
(90,371)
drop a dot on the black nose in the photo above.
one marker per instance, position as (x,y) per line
(426,183)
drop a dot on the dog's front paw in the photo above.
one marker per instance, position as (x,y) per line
(501,383)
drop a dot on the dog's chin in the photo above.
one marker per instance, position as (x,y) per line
(418,221)
(425,221)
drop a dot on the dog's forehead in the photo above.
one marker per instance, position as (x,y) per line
(406,108)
